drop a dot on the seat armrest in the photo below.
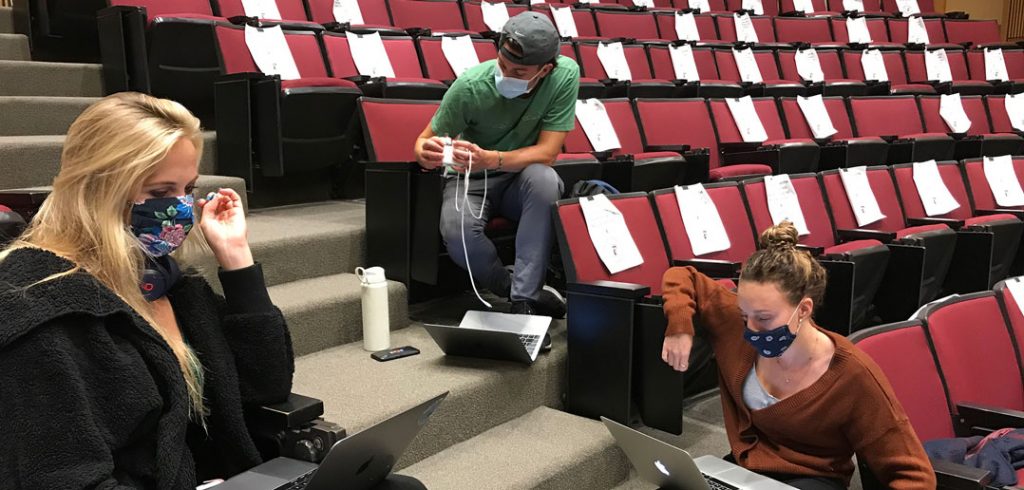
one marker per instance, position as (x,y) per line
(712,268)
(289,414)
(814,251)
(953,476)
(865,234)
(737,147)
(680,149)
(988,212)
(974,415)
(955,224)
(616,289)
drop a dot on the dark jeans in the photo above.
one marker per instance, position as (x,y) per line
(400,482)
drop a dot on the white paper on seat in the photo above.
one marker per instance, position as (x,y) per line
(1015,109)
(590,1)
(683,63)
(816,115)
(783,203)
(460,53)
(862,198)
(995,65)
(747,65)
(609,234)
(753,5)
(644,3)
(936,63)
(908,7)
(597,125)
(703,224)
(1016,287)
(853,5)
(857,30)
(1003,181)
(348,11)
(686,27)
(270,51)
(873,64)
(745,32)
(805,6)
(261,9)
(809,66)
(935,196)
(564,21)
(538,2)
(747,121)
(495,15)
(702,5)
(369,54)
(951,108)
(917,33)
(613,59)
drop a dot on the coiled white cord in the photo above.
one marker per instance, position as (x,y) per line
(462,220)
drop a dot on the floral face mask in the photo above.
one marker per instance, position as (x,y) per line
(162,224)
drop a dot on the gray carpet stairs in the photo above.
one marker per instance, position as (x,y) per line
(500,428)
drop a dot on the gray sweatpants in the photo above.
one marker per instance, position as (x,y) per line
(526,197)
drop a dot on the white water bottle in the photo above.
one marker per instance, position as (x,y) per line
(376,324)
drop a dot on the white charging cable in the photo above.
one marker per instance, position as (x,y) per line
(462,219)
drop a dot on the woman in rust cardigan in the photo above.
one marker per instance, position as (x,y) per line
(799,401)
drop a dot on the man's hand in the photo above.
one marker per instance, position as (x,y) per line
(482,159)
(430,154)
(676,351)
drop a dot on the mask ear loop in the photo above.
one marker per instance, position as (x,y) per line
(462,221)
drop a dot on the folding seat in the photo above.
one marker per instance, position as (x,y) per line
(475,15)
(1001,122)
(842,149)
(706,27)
(284,137)
(641,83)
(683,124)
(815,31)
(762,26)
(616,325)
(583,18)
(658,4)
(770,8)
(707,85)
(632,167)
(715,6)
(979,140)
(1012,81)
(899,31)
(772,83)
(872,8)
(835,81)
(590,88)
(876,28)
(785,155)
(1014,314)
(961,82)
(819,8)
(289,10)
(436,16)
(897,120)
(626,24)
(986,244)
(896,72)
(976,34)
(408,82)
(436,65)
(374,13)
(982,192)
(855,268)
(926,7)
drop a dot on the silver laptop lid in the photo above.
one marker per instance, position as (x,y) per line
(657,462)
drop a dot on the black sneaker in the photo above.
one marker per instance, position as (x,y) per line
(525,308)
(550,303)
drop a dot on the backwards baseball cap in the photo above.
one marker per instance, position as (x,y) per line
(535,35)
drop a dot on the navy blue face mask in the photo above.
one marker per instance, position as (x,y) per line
(772,343)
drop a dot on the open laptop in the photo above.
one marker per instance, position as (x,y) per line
(668,466)
(358,462)
(493,335)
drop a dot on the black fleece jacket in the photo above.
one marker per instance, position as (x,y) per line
(92,397)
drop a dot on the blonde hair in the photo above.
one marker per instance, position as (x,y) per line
(110,150)
(795,272)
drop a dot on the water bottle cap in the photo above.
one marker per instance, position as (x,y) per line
(371,275)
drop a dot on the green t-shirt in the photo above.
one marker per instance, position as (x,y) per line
(473,108)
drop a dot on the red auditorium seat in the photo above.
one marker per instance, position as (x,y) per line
(716,6)
(980,139)
(986,244)
(374,12)
(981,191)
(582,17)
(815,31)
(770,8)
(855,268)
(662,126)
(820,8)
(876,28)
(1014,313)
(626,24)
(436,66)
(997,111)
(899,31)
(872,8)
(408,82)
(590,88)
(439,16)
(961,83)
(643,83)
(927,8)
(762,26)
(706,27)
(785,155)
(475,15)
(708,85)
(896,70)
(842,149)
(920,256)
(290,10)
(631,167)
(898,120)
(772,85)
(835,83)
(976,34)
(1014,61)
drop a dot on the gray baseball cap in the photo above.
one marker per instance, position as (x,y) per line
(535,35)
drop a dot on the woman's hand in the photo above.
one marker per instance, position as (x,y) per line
(223,224)
(676,351)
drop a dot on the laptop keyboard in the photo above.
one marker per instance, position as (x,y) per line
(715,484)
(530,341)
(298,483)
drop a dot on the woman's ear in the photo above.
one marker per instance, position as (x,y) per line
(805,309)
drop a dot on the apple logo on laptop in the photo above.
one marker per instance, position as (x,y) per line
(661,467)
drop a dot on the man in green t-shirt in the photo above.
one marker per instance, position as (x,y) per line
(509,118)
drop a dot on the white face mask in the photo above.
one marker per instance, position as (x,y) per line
(509,87)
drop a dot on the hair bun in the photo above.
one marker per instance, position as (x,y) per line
(780,236)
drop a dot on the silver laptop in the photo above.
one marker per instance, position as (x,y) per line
(493,335)
(668,466)
(358,462)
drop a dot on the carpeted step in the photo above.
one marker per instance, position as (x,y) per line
(543,449)
(6,20)
(636,484)
(359,392)
(32,116)
(14,47)
(30,161)
(53,79)
(325,312)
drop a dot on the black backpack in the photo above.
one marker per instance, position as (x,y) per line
(593,187)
